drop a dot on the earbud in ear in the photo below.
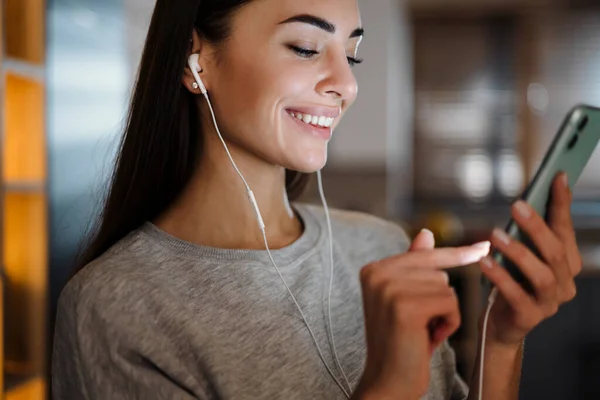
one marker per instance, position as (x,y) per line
(196,68)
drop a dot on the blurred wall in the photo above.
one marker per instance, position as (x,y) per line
(376,134)
(369,132)
(87,92)
(138,14)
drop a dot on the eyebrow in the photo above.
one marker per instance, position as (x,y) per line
(320,23)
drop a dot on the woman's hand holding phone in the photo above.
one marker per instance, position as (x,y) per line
(410,309)
(516,312)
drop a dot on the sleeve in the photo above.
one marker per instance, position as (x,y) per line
(399,235)
(97,356)
(458,389)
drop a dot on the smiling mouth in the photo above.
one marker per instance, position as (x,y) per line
(313,120)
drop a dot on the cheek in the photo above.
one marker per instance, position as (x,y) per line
(258,95)
(291,84)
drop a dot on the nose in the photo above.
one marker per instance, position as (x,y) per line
(338,80)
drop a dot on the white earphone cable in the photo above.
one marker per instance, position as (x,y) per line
(303,318)
(328,219)
(212,113)
(491,300)
(262,228)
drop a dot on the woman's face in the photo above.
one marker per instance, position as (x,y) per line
(283,80)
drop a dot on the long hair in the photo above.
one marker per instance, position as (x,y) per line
(162,142)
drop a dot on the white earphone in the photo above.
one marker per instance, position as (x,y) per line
(196,68)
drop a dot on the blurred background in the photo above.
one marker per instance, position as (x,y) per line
(459,100)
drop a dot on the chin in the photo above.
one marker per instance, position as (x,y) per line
(308,161)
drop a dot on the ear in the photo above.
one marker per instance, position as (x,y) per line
(195,47)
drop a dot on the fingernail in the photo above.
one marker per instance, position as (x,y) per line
(471,257)
(428,233)
(523,209)
(487,262)
(501,236)
(484,247)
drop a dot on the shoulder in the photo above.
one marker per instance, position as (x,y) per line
(362,229)
(125,280)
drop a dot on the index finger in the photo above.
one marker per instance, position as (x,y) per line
(442,258)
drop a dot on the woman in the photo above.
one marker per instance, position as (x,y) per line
(177,297)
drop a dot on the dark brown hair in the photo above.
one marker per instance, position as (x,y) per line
(162,142)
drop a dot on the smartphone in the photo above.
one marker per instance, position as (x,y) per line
(569,152)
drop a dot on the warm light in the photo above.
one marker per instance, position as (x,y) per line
(475,175)
(510,174)
(538,98)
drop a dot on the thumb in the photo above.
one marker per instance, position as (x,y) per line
(424,241)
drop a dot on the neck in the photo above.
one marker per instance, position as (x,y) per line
(214,209)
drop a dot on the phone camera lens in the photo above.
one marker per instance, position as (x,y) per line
(583,123)
(573,142)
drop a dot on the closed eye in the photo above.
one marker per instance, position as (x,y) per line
(309,54)
(353,61)
(302,52)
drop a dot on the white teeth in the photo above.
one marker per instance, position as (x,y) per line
(321,121)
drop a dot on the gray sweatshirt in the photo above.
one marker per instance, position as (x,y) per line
(156,317)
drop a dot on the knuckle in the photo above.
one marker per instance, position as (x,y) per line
(576,269)
(537,224)
(450,293)
(546,281)
(453,299)
(571,292)
(371,275)
(366,272)
(519,252)
(519,299)
(558,256)
(442,277)
(552,309)
(458,318)
(522,300)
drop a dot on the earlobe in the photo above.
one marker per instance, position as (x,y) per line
(191,78)
(195,68)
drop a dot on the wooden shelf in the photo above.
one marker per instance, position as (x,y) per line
(24,204)
(24,157)
(24,69)
(31,390)
(25,29)
(24,187)
(25,262)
